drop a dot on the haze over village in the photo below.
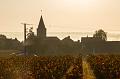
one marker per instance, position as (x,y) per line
(73,16)
(59,39)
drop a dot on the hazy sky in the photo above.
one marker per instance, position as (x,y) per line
(61,15)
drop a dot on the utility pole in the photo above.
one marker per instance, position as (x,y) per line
(25,25)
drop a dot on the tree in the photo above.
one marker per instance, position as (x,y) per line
(100,34)
(30,34)
(30,42)
(2,36)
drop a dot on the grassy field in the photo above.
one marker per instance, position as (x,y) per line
(7,53)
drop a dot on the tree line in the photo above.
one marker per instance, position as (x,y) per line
(9,44)
(33,44)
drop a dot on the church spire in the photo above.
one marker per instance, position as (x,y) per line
(41,30)
(41,23)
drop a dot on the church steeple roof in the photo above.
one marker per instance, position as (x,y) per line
(41,23)
(41,30)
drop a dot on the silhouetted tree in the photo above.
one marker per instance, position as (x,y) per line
(30,42)
(30,34)
(12,44)
(100,34)
(2,36)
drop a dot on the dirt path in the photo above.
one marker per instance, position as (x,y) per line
(87,71)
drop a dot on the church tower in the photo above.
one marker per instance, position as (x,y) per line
(41,30)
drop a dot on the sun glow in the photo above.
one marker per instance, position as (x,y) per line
(81,3)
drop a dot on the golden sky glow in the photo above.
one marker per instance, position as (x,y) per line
(61,15)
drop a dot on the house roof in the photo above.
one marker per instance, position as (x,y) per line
(53,39)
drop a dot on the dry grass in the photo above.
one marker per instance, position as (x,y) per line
(7,53)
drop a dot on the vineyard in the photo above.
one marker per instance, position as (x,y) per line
(57,67)
(61,67)
(105,66)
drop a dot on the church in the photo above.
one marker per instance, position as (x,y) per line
(41,32)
